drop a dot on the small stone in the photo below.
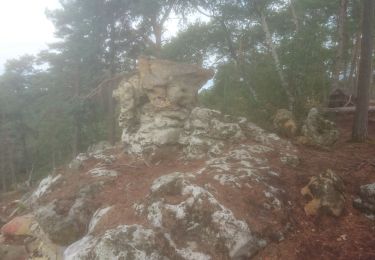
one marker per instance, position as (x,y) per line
(285,123)
(19,226)
(326,192)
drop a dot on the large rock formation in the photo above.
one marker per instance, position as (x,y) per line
(156,101)
(229,204)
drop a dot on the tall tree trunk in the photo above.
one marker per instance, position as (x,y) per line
(2,154)
(77,124)
(276,60)
(236,58)
(25,150)
(339,60)
(11,163)
(294,15)
(111,103)
(76,137)
(3,170)
(354,64)
(157,28)
(360,133)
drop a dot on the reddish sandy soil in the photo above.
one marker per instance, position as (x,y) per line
(351,236)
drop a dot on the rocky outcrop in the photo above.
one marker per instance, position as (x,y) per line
(228,204)
(199,217)
(318,131)
(62,227)
(155,103)
(185,215)
(326,192)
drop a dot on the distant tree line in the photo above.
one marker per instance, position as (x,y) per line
(268,54)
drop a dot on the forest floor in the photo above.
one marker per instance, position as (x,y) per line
(350,236)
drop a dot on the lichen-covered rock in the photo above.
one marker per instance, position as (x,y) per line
(285,123)
(124,242)
(206,131)
(102,172)
(326,192)
(199,217)
(97,217)
(78,163)
(367,192)
(45,186)
(366,200)
(99,148)
(63,224)
(319,131)
(156,101)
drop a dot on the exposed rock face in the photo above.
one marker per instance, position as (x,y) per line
(206,131)
(319,131)
(156,102)
(123,242)
(199,216)
(326,192)
(285,123)
(45,186)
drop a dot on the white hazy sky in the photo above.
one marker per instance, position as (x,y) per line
(24,28)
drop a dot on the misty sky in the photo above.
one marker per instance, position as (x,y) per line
(24,28)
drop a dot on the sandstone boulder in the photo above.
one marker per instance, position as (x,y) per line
(326,192)
(156,101)
(285,123)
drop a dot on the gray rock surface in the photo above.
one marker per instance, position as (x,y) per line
(201,217)
(366,200)
(124,242)
(206,131)
(63,227)
(156,101)
(319,131)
